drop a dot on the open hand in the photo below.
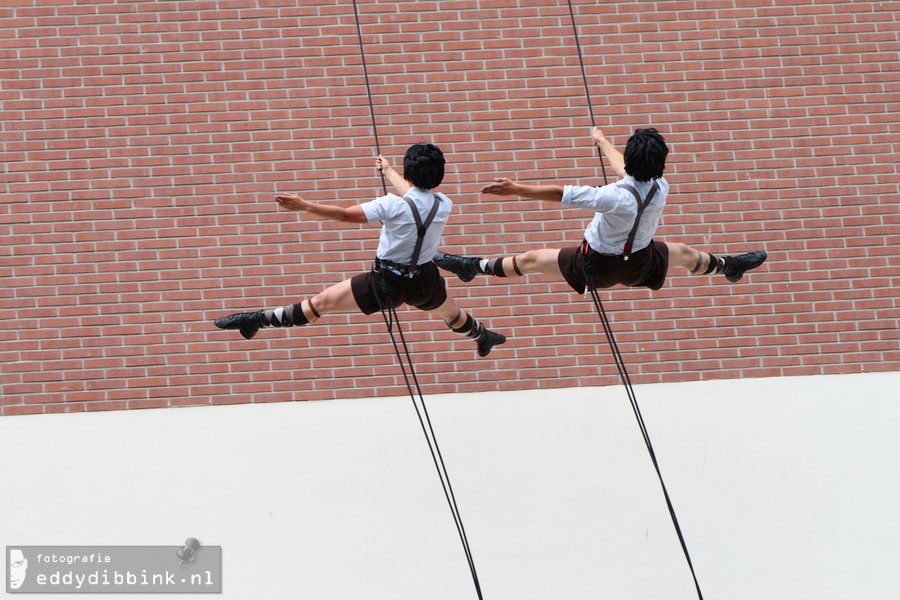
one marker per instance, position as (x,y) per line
(502,186)
(292,202)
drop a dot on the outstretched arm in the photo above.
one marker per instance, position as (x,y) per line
(394,178)
(507,187)
(616,159)
(352,214)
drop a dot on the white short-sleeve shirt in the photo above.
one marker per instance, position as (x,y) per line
(399,232)
(616,210)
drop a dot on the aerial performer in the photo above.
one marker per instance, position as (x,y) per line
(618,246)
(403,271)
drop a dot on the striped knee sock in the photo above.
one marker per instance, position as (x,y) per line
(470,327)
(494,266)
(286,316)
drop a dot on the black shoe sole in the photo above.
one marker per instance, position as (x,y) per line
(248,333)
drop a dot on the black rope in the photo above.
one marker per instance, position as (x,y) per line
(587,91)
(362,54)
(626,380)
(390,318)
(614,347)
(389,314)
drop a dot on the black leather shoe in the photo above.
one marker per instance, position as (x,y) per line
(466,267)
(247,322)
(736,266)
(488,340)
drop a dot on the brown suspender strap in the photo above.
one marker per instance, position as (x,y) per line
(641,205)
(420,229)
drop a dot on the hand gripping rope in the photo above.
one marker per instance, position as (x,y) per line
(614,347)
(390,319)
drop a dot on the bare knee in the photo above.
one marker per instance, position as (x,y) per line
(448,311)
(681,255)
(539,261)
(337,298)
(322,302)
(679,252)
(528,260)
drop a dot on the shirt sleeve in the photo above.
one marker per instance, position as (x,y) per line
(597,199)
(377,209)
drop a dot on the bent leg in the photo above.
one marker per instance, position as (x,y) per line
(465,324)
(447,311)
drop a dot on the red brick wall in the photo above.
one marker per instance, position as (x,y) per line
(142,143)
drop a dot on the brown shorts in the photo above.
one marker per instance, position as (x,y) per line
(644,268)
(427,290)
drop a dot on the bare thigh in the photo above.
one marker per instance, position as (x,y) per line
(337,298)
(537,261)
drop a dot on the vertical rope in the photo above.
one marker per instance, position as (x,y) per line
(587,91)
(626,381)
(390,318)
(614,347)
(437,457)
(362,54)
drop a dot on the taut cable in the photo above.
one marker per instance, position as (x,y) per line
(391,320)
(614,347)
(587,91)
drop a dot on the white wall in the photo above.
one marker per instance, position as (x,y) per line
(786,489)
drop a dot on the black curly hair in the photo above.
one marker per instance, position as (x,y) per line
(423,166)
(645,155)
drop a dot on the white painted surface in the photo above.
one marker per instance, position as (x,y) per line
(786,488)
